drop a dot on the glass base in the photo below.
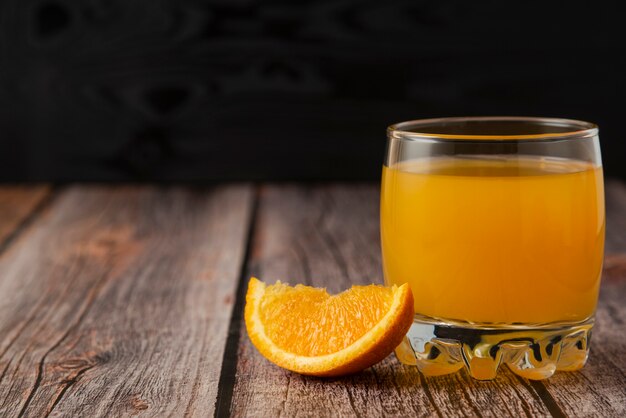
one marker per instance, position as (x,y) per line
(531,351)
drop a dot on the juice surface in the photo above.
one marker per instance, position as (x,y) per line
(495,240)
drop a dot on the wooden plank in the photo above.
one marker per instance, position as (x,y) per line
(329,236)
(599,389)
(16,205)
(118,300)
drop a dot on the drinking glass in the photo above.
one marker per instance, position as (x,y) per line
(497,224)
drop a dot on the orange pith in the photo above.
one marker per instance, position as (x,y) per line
(306,330)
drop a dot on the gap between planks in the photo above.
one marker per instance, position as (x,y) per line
(229,361)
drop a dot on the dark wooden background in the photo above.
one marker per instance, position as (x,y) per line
(118,90)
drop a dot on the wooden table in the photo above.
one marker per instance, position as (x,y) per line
(127,300)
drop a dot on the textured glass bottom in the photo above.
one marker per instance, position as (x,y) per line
(533,352)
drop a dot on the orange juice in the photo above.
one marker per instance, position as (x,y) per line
(495,240)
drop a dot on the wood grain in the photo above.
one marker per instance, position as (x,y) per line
(117,302)
(17,203)
(328,236)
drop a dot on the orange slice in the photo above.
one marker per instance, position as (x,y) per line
(308,331)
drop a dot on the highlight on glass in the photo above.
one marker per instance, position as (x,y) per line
(497,224)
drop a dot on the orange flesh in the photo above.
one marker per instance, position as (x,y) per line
(315,323)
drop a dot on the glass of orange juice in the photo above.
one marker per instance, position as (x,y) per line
(497,224)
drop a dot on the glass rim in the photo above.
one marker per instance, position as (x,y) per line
(572,129)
